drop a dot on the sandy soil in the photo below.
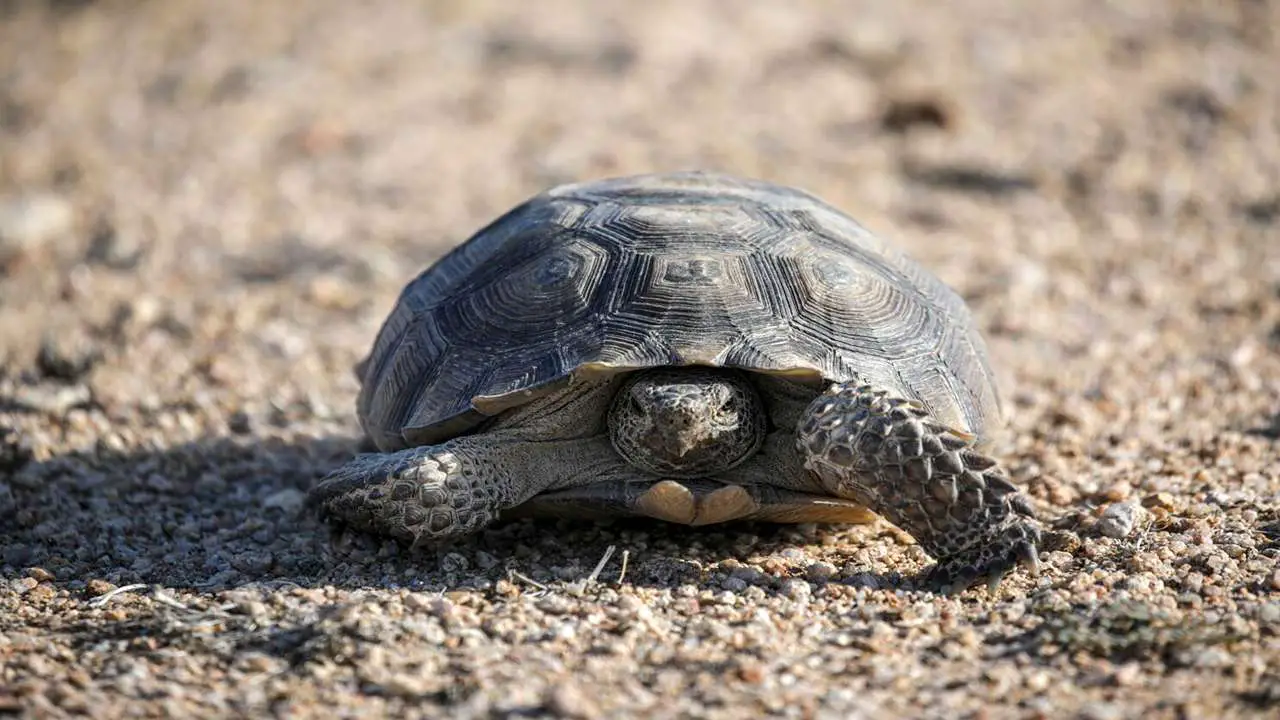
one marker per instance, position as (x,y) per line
(207,207)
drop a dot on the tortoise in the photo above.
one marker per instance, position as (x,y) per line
(692,347)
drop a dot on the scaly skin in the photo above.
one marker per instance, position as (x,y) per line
(861,444)
(416,494)
(924,477)
(460,486)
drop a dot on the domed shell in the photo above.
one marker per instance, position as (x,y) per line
(675,269)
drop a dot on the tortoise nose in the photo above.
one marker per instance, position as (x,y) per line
(681,416)
(676,424)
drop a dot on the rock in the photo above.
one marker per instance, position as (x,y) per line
(795,589)
(820,571)
(22,586)
(110,249)
(253,562)
(240,423)
(288,500)
(67,357)
(1119,519)
(15,450)
(54,399)
(1101,711)
(97,587)
(28,221)
(454,563)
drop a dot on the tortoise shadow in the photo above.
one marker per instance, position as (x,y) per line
(1268,427)
(230,512)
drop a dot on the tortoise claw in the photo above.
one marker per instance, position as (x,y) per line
(991,562)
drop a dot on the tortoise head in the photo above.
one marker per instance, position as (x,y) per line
(687,422)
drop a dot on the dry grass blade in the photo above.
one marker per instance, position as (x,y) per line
(608,553)
(102,600)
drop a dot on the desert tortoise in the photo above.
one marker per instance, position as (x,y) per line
(692,347)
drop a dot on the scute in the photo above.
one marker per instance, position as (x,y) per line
(673,269)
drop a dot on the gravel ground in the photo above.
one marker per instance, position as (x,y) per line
(207,207)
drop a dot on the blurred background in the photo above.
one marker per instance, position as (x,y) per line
(178,175)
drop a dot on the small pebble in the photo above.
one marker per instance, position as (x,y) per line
(55,399)
(39,574)
(1128,674)
(257,662)
(442,608)
(1101,711)
(555,605)
(67,357)
(253,608)
(820,571)
(109,248)
(1038,681)
(28,221)
(24,585)
(1162,500)
(751,671)
(240,423)
(286,499)
(1118,492)
(97,587)
(41,592)
(1270,613)
(796,589)
(15,450)
(253,562)
(1118,520)
(454,563)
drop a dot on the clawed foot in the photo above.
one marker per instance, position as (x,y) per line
(924,477)
(412,495)
(989,560)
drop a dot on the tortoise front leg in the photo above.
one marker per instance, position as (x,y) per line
(924,477)
(454,488)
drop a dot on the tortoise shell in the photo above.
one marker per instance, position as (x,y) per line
(656,270)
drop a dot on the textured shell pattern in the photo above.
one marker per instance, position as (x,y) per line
(656,270)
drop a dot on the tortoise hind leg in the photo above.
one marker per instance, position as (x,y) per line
(924,477)
(454,488)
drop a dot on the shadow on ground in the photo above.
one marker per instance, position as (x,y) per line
(1269,428)
(230,512)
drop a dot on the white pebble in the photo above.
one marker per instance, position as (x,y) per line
(1119,519)
(30,220)
(796,589)
(288,499)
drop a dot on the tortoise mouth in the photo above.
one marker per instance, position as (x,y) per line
(686,422)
